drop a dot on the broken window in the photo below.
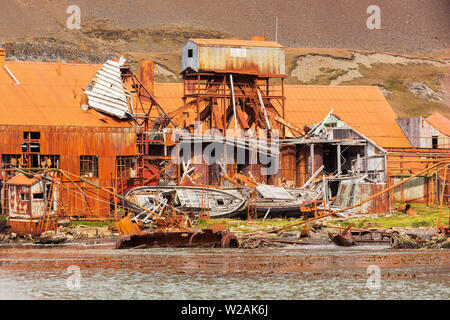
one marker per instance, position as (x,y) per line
(31,148)
(49,161)
(89,166)
(25,196)
(126,166)
(434,142)
(10,160)
(342,133)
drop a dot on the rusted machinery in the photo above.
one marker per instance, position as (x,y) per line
(354,235)
(344,238)
(215,236)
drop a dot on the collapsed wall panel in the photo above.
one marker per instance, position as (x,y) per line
(107,93)
(350,194)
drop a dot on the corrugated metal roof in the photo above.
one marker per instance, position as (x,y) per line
(440,122)
(169,95)
(107,93)
(46,99)
(364,108)
(238,43)
(22,180)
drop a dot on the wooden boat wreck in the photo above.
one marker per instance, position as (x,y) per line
(190,200)
(279,200)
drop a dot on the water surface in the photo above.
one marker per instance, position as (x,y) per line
(308,272)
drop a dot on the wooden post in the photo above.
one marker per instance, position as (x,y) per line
(115,191)
(401,195)
(3,192)
(339,165)
(311,150)
(58,203)
(442,198)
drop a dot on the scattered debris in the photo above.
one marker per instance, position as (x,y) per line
(51,237)
(344,238)
(401,240)
(406,208)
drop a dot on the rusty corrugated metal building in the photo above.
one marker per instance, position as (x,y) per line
(262,58)
(43,124)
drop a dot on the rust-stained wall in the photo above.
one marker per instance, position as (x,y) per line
(25,209)
(17,207)
(70,143)
(287,164)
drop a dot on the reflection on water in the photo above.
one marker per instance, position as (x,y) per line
(288,273)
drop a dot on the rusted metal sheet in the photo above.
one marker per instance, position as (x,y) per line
(236,56)
(148,76)
(301,173)
(24,226)
(205,237)
(288,159)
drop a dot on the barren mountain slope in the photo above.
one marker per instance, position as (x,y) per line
(406,25)
(408,58)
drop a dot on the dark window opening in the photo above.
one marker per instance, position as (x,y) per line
(190,53)
(89,166)
(38,196)
(31,147)
(434,142)
(25,196)
(29,161)
(30,135)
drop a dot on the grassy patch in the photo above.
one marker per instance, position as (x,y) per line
(91,223)
(3,217)
(244,226)
(426,217)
